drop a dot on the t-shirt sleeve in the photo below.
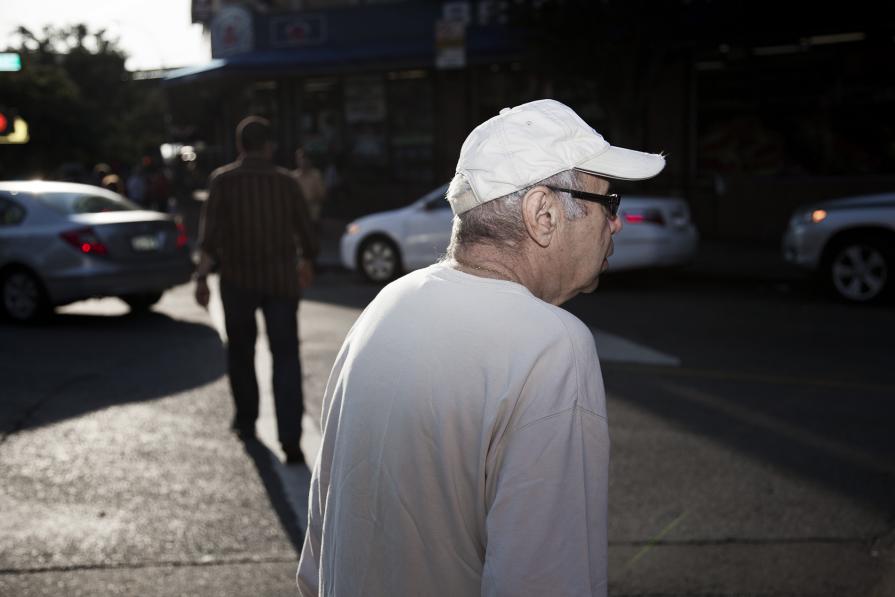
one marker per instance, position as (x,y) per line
(546,502)
(546,525)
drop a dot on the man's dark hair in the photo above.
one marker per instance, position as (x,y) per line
(252,133)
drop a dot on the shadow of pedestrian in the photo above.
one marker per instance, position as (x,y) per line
(275,478)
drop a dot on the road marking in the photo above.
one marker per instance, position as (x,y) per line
(612,348)
(654,540)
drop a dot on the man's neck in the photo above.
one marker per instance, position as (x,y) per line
(535,274)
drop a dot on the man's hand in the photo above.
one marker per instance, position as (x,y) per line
(305,274)
(202,293)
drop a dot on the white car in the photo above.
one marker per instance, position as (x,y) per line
(849,241)
(658,232)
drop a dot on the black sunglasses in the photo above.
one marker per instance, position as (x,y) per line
(610,202)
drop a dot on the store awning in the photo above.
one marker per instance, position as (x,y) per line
(403,54)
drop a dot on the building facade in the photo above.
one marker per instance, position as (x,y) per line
(755,120)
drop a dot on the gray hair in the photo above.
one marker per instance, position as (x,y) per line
(499,222)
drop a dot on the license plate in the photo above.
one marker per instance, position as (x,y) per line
(146,243)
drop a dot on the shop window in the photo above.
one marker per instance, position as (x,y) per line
(411,125)
(324,4)
(365,125)
(321,124)
(260,99)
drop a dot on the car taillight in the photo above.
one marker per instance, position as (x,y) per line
(641,216)
(86,241)
(182,238)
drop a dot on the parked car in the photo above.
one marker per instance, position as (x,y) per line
(63,242)
(850,242)
(658,232)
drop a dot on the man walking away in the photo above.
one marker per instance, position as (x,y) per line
(255,226)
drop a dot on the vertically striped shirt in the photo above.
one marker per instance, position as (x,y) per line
(256,226)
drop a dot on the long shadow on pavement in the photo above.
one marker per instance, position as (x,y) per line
(268,470)
(76,364)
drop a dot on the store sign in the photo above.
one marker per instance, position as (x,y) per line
(231,32)
(296,31)
(450,44)
(457,11)
(364,100)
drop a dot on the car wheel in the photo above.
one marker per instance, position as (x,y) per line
(379,259)
(142,302)
(24,297)
(859,269)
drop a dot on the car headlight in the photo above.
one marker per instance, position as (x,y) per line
(817,216)
(811,216)
(352,228)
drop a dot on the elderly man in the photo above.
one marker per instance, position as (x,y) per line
(465,446)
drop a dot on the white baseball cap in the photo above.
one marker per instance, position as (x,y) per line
(526,144)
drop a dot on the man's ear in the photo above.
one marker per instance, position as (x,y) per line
(540,212)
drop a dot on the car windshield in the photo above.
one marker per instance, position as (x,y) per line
(84,203)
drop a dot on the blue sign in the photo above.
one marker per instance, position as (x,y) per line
(294,31)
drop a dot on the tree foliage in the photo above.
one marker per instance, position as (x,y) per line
(81,105)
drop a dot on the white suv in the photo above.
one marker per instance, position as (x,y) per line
(849,241)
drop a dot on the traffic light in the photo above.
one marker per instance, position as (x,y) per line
(13,129)
(7,122)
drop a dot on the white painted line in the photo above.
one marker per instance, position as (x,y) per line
(612,348)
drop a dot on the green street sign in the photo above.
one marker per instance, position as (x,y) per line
(10,62)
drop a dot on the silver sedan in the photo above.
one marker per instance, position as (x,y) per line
(64,242)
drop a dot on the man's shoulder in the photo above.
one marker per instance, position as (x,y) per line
(223,171)
(496,304)
(283,173)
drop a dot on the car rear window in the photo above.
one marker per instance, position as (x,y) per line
(84,203)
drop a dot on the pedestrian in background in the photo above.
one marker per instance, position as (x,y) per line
(255,226)
(311,181)
(465,446)
(113,183)
(136,185)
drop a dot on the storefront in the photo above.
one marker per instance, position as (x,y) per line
(380,105)
(755,121)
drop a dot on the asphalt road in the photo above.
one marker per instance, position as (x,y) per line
(751,422)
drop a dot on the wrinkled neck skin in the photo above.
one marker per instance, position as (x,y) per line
(537,268)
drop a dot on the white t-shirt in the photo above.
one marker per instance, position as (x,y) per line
(465,448)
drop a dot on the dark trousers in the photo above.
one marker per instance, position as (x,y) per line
(281,321)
